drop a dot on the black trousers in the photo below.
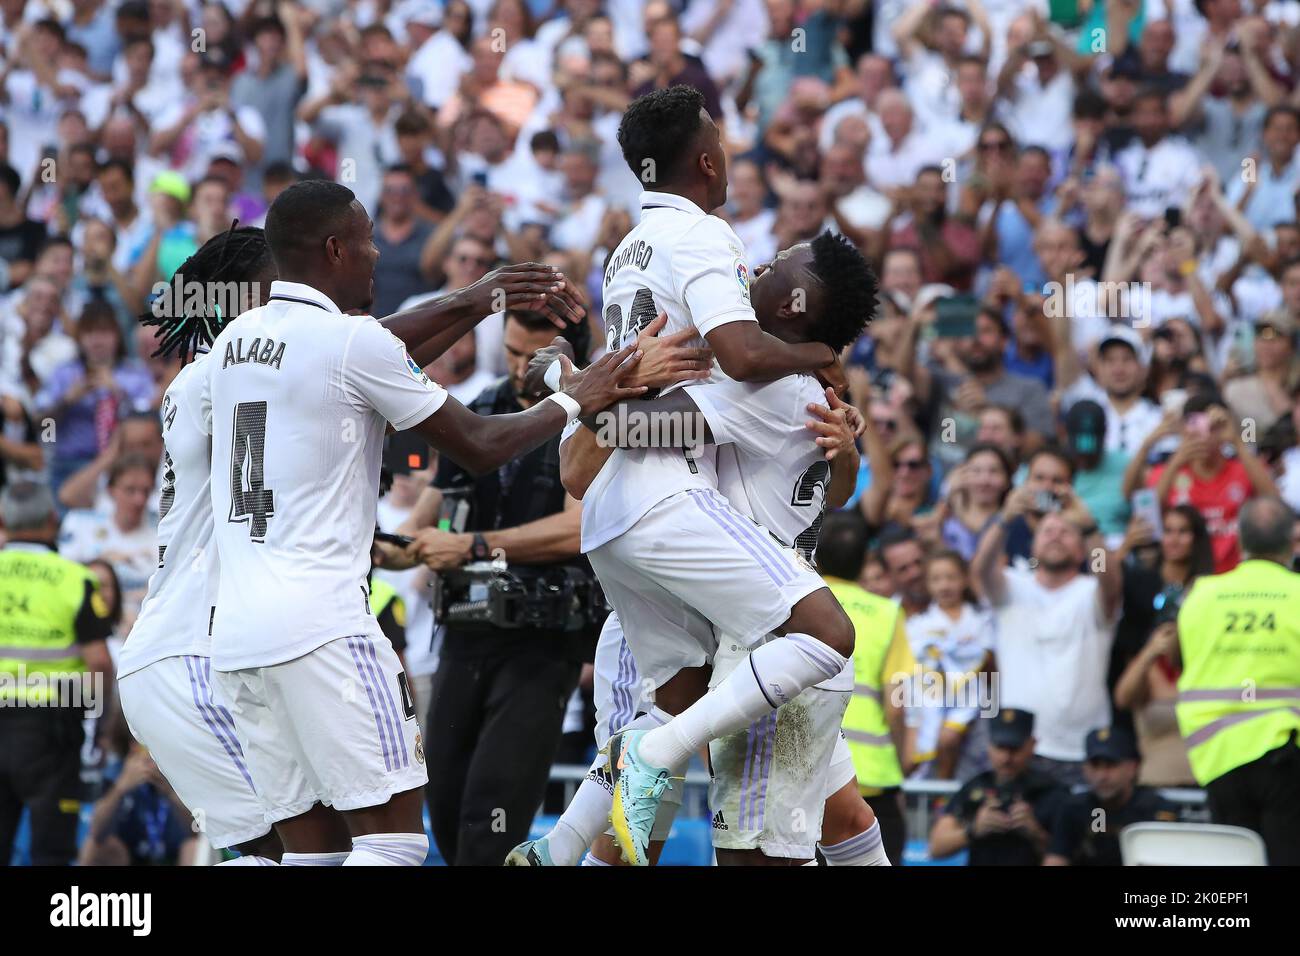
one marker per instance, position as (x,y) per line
(1264,796)
(888,808)
(494,724)
(40,769)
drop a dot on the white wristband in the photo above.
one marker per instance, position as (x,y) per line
(552,376)
(571,407)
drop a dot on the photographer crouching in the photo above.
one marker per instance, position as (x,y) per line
(519,607)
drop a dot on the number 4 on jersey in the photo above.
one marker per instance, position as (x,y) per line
(249,500)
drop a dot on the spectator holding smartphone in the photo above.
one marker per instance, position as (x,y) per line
(1201,475)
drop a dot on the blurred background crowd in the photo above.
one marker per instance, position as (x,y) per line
(1083,214)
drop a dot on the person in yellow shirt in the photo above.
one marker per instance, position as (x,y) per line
(882,665)
(1239,691)
(53,632)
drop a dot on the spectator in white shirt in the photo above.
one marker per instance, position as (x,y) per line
(753,221)
(1119,377)
(932,41)
(1055,627)
(583,207)
(875,74)
(205,121)
(1159,170)
(894,159)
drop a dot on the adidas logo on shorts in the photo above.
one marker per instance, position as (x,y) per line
(718,822)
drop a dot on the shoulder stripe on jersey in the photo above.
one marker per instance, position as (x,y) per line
(659,205)
(290,298)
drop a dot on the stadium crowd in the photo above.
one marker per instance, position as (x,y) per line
(1086,226)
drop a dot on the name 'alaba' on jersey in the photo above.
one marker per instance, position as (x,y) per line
(690,265)
(176,613)
(299,399)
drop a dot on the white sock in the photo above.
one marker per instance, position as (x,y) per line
(584,818)
(388,849)
(589,860)
(775,673)
(249,861)
(587,814)
(313,859)
(865,849)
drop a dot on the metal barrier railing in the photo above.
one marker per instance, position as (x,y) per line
(920,796)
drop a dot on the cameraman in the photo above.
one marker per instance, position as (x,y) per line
(499,694)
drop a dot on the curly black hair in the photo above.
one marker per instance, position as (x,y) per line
(848,290)
(657,132)
(238,255)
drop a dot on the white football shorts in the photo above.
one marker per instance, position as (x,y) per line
(771,780)
(174,709)
(336,726)
(691,563)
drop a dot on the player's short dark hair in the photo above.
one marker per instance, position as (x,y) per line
(848,290)
(661,126)
(842,545)
(240,254)
(10,179)
(305,215)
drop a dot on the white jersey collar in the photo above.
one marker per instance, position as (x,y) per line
(652,200)
(303,294)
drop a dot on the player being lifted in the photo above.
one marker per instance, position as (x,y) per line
(298,395)
(168,695)
(652,519)
(773,467)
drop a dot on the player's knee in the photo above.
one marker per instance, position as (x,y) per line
(837,633)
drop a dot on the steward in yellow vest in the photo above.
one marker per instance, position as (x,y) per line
(53,631)
(1239,692)
(873,723)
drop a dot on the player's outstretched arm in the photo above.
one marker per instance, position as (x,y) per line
(483,443)
(748,354)
(581,458)
(429,329)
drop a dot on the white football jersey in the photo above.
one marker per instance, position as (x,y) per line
(690,265)
(770,466)
(299,398)
(177,610)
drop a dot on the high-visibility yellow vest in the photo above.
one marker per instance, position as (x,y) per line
(40,597)
(875,621)
(1239,692)
(383,594)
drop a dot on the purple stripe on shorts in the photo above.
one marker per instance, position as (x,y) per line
(744,773)
(386,697)
(205,712)
(374,710)
(223,718)
(763,548)
(382,711)
(721,521)
(768,751)
(749,529)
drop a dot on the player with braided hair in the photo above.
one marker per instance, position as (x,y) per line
(170,700)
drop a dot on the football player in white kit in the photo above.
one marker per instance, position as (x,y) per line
(298,396)
(653,517)
(770,780)
(164,670)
